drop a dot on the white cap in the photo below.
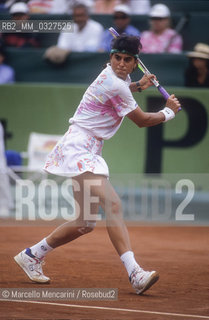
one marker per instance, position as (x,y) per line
(19,7)
(201,50)
(122,8)
(159,11)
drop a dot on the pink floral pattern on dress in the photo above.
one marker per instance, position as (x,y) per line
(85,165)
(93,144)
(56,157)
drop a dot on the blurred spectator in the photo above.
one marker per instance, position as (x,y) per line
(7,74)
(197,74)
(104,6)
(19,11)
(137,6)
(121,24)
(160,38)
(49,6)
(85,37)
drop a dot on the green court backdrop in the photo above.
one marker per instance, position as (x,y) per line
(179,146)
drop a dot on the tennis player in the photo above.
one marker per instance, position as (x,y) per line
(79,155)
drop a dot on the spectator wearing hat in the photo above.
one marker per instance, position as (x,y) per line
(197,73)
(121,21)
(160,38)
(7,74)
(19,12)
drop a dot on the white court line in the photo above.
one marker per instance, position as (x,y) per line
(110,309)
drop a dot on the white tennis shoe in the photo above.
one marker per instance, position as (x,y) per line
(32,266)
(142,280)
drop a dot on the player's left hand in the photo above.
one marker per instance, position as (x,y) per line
(146,82)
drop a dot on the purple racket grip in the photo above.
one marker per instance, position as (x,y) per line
(164,93)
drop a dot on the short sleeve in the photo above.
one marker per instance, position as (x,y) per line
(124,102)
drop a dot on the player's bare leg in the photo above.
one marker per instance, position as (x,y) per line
(31,259)
(106,196)
(72,230)
(102,191)
(110,202)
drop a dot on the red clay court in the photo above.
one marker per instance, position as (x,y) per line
(178,253)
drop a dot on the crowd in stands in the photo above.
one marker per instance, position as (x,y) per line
(90,36)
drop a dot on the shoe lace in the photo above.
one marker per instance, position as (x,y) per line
(137,275)
(39,263)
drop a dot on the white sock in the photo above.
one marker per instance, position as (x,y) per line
(129,261)
(41,249)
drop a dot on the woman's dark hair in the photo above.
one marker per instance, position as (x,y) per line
(191,75)
(130,44)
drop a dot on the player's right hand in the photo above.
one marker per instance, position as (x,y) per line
(173,103)
(146,81)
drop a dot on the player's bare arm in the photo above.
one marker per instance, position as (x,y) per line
(149,119)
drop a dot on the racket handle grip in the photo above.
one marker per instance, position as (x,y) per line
(164,93)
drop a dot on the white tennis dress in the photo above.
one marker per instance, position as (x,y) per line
(98,117)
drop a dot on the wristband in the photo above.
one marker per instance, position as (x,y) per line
(168,113)
(138,86)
